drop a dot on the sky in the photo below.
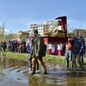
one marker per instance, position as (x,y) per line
(19,14)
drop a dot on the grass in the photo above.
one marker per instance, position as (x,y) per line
(51,59)
(18,56)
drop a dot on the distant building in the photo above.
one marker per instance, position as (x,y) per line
(33,26)
(42,28)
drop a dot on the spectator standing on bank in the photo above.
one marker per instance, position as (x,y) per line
(68,53)
(83,49)
(77,50)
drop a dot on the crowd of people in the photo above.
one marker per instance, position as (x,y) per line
(13,46)
(73,49)
(33,45)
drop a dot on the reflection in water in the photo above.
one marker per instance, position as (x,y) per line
(41,81)
(7,63)
(9,75)
(80,81)
(45,81)
(66,78)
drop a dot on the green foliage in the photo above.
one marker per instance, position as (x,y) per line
(52,59)
(18,56)
(4,37)
(83,31)
(23,35)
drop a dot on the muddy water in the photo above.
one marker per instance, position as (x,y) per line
(60,78)
(9,73)
(16,73)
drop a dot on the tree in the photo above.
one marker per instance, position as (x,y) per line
(23,35)
(81,30)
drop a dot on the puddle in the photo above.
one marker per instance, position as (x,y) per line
(15,73)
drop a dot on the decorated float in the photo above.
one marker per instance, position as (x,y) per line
(57,36)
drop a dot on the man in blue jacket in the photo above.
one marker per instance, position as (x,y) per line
(77,50)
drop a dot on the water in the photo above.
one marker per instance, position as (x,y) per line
(16,73)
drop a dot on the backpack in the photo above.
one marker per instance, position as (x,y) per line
(43,48)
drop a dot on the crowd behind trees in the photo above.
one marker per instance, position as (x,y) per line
(24,45)
(13,46)
(73,49)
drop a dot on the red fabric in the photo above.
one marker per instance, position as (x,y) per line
(59,52)
(49,51)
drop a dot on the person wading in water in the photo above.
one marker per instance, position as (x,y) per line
(38,52)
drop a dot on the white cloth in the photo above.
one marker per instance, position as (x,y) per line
(59,47)
(49,46)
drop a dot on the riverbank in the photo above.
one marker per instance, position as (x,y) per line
(51,59)
(14,72)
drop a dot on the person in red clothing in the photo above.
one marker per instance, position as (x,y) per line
(68,53)
(59,48)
